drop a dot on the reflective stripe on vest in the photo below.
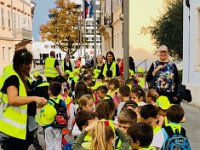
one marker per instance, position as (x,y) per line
(112,68)
(43,84)
(49,69)
(13,121)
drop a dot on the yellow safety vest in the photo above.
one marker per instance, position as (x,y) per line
(49,69)
(43,84)
(156,129)
(13,120)
(112,68)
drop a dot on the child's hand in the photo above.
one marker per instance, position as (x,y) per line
(91,126)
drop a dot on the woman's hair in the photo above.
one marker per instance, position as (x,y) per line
(111,53)
(21,61)
(83,100)
(81,89)
(102,133)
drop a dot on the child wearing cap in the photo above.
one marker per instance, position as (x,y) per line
(162,104)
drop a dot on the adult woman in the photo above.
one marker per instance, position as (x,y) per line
(14,87)
(111,65)
(99,67)
(163,75)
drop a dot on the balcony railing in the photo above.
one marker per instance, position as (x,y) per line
(22,34)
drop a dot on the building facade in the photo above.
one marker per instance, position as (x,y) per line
(191,48)
(15,26)
(89,33)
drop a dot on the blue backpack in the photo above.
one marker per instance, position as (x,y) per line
(176,140)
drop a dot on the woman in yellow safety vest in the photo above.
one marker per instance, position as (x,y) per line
(14,117)
(111,65)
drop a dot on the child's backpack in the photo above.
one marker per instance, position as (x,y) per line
(61,118)
(176,140)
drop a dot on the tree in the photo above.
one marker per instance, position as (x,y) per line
(168,29)
(62,29)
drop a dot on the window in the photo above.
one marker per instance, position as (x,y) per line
(9,21)
(2,17)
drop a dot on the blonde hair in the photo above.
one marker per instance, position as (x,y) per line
(102,133)
(83,100)
(152,93)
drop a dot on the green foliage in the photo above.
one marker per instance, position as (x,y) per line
(62,29)
(168,29)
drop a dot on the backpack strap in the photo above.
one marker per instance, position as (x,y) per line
(170,132)
(55,104)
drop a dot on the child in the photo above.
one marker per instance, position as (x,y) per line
(152,96)
(124,92)
(141,78)
(53,135)
(101,92)
(113,90)
(138,95)
(125,119)
(162,104)
(175,114)
(141,135)
(103,134)
(149,115)
(86,102)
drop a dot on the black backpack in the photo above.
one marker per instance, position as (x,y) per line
(176,140)
(60,120)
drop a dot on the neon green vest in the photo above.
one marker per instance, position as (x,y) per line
(13,120)
(112,68)
(156,129)
(43,84)
(49,69)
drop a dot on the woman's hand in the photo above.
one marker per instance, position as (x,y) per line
(41,101)
(157,69)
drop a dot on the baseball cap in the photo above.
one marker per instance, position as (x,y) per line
(46,115)
(36,73)
(163,102)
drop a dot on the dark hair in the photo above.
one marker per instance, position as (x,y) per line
(127,116)
(108,73)
(81,89)
(124,91)
(138,91)
(103,89)
(52,54)
(101,76)
(21,61)
(148,111)
(105,109)
(59,79)
(115,82)
(175,113)
(82,118)
(55,88)
(111,53)
(130,103)
(141,132)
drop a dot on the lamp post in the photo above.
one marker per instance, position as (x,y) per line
(126,38)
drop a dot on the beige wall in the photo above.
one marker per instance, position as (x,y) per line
(15,25)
